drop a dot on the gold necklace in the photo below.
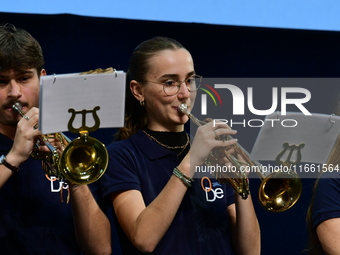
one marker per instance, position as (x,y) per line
(184,146)
(167,146)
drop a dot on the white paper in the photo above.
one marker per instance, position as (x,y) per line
(59,93)
(318,133)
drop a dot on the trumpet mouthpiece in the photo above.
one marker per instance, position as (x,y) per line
(183,108)
(17,106)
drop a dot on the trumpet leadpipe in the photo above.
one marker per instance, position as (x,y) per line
(183,108)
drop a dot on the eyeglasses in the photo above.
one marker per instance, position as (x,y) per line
(172,86)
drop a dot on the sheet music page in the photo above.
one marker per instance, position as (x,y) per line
(317,133)
(59,93)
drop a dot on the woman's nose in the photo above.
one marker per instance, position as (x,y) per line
(183,91)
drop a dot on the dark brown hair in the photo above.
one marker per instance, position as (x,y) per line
(19,51)
(135,115)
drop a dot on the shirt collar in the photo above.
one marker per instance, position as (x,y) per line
(151,149)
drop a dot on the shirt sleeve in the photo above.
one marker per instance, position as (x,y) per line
(121,173)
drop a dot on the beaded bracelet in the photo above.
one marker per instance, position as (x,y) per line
(185,179)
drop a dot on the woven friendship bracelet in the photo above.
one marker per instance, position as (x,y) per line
(185,179)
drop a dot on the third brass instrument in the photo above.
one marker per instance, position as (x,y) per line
(278,191)
(81,161)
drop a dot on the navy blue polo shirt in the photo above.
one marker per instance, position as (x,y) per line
(201,225)
(33,220)
(327,198)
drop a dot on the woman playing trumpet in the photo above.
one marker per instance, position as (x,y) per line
(160,208)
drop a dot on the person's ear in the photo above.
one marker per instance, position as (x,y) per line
(42,72)
(137,90)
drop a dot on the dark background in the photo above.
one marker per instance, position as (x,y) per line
(75,43)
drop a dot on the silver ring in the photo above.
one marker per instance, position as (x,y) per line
(26,117)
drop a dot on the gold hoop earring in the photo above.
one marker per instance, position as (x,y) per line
(142,103)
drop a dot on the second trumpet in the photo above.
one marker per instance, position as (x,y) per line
(81,161)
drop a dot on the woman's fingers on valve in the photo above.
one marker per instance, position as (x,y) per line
(219,124)
(222,137)
(223,131)
(220,128)
(208,135)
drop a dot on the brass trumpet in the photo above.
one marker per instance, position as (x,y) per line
(278,191)
(81,161)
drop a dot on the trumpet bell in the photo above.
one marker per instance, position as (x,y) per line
(84,160)
(280,191)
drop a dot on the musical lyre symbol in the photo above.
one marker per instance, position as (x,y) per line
(291,148)
(83,125)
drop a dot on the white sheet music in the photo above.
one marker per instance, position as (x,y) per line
(59,93)
(318,133)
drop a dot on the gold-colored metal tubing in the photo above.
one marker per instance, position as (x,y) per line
(81,161)
(278,191)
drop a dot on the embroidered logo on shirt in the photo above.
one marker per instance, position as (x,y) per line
(61,185)
(212,190)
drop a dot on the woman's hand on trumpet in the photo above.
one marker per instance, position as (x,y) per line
(205,140)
